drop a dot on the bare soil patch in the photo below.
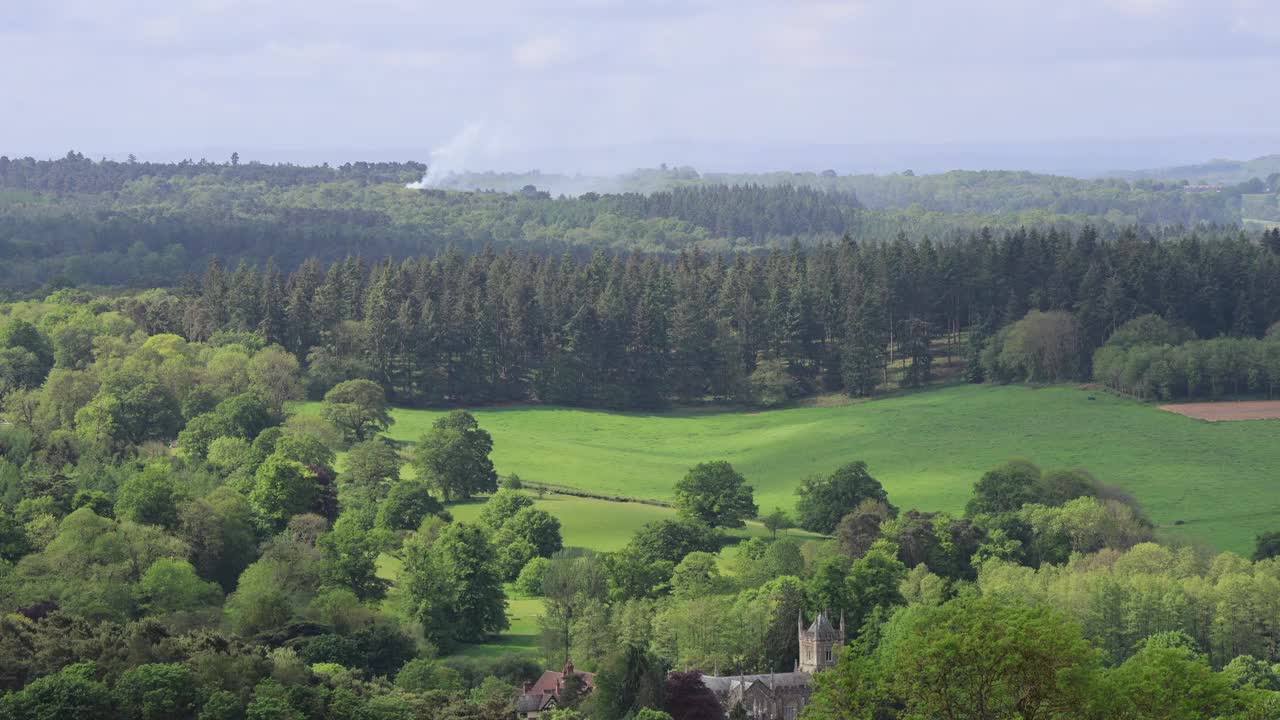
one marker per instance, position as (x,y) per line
(1218,411)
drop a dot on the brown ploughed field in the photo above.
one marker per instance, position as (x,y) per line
(1216,411)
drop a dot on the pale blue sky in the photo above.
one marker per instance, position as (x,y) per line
(506,79)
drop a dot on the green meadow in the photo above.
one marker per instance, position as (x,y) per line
(1217,481)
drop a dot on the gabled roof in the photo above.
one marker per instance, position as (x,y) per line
(534,702)
(551,681)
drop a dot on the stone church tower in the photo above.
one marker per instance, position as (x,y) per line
(818,643)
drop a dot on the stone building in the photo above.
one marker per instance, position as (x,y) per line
(781,696)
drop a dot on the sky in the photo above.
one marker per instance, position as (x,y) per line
(580,82)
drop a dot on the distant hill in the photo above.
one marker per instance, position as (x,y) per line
(1214,172)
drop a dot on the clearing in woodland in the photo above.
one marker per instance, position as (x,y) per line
(927,448)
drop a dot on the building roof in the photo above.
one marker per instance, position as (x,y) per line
(721,685)
(821,629)
(534,702)
(552,680)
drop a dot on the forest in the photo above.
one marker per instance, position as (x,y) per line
(637,331)
(84,222)
(178,541)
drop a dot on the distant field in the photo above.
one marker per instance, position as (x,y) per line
(595,524)
(1219,411)
(927,448)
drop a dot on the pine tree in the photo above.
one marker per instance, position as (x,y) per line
(380,326)
(273,323)
(863,354)
(917,335)
(244,298)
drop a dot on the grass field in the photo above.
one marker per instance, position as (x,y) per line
(927,448)
(584,522)
(602,525)
(1255,224)
(521,637)
(522,613)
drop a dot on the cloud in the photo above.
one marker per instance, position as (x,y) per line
(606,74)
(539,52)
(161,29)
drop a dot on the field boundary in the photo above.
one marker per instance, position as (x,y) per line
(578,492)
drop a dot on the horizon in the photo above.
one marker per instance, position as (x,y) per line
(1072,158)
(598,86)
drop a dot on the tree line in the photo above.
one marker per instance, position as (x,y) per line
(75,173)
(77,221)
(630,331)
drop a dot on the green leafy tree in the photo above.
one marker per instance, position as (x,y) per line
(529,582)
(357,407)
(1058,487)
(26,354)
(861,527)
(371,468)
(537,527)
(241,416)
(173,586)
(383,649)
(874,581)
(502,506)
(408,502)
(452,585)
(150,497)
(512,555)
(351,552)
(1266,546)
(229,454)
(306,449)
(274,376)
(1005,489)
(157,691)
(282,488)
(777,520)
(1142,687)
(672,540)
(219,530)
(630,684)
(425,674)
(270,702)
(823,501)
(984,658)
(69,693)
(130,408)
(697,575)
(454,457)
(716,494)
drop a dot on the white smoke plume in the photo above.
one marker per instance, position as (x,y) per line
(452,156)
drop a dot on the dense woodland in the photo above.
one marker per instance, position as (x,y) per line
(637,331)
(78,221)
(178,540)
(177,544)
